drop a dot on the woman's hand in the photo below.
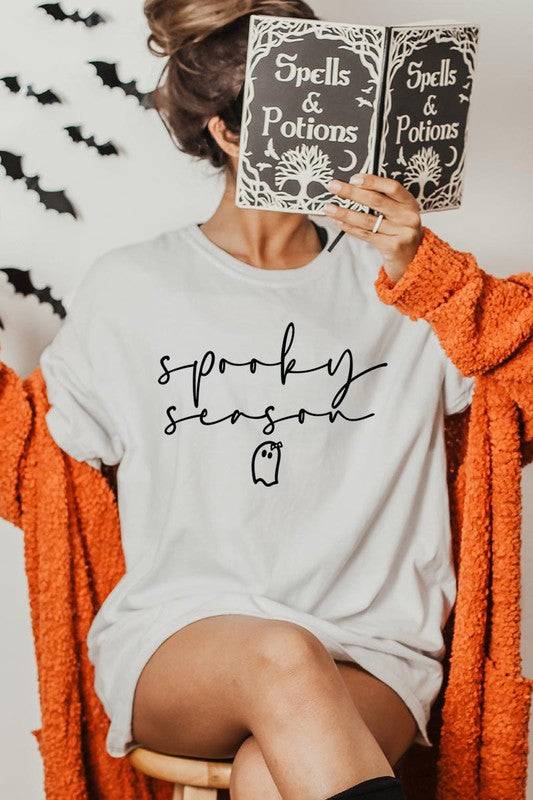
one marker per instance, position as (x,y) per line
(400,232)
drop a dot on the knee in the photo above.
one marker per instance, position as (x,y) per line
(285,652)
(250,776)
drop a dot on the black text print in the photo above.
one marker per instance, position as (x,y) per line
(200,371)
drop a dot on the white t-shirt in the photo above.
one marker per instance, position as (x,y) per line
(281,447)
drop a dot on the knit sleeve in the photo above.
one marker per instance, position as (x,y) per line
(16,417)
(484,323)
(78,419)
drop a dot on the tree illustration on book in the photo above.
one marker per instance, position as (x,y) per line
(306,165)
(381,99)
(422,168)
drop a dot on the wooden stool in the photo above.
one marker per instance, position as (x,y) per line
(193,778)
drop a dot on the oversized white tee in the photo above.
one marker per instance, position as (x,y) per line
(281,446)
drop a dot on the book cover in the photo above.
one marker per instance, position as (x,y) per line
(325,100)
(427,90)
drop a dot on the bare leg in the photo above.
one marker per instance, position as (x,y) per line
(383,710)
(218,680)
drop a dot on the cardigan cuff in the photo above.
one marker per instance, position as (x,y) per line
(432,276)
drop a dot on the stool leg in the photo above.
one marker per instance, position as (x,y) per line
(199,793)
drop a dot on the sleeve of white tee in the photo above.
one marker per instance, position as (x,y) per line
(77,419)
(457,389)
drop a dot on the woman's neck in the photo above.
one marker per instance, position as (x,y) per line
(263,239)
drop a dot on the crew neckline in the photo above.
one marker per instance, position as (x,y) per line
(313,269)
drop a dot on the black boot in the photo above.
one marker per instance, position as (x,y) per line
(386,787)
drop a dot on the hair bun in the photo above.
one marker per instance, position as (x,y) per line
(177,23)
(205,76)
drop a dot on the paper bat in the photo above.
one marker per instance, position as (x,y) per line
(107,72)
(106,149)
(55,11)
(58,200)
(45,98)
(23,284)
(11,81)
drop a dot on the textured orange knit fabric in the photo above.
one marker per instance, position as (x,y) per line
(73,555)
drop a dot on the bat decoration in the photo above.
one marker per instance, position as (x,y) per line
(55,11)
(58,200)
(11,81)
(45,98)
(107,72)
(21,280)
(270,151)
(106,149)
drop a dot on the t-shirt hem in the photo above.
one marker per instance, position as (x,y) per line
(377,668)
(119,740)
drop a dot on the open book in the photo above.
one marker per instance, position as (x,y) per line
(324,100)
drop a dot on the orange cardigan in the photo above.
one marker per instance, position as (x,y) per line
(68,513)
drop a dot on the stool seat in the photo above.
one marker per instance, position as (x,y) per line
(182,770)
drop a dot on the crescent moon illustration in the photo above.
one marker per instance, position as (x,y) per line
(454,159)
(352,165)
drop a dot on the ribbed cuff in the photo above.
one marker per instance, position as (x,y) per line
(435,273)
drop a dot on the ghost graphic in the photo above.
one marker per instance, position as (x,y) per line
(265,462)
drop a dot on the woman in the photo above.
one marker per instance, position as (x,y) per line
(281,478)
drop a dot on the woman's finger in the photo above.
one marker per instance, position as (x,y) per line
(387,186)
(379,239)
(396,212)
(347,218)
(392,203)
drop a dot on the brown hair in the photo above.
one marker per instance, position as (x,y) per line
(206,42)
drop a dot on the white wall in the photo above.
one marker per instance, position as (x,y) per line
(151,187)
